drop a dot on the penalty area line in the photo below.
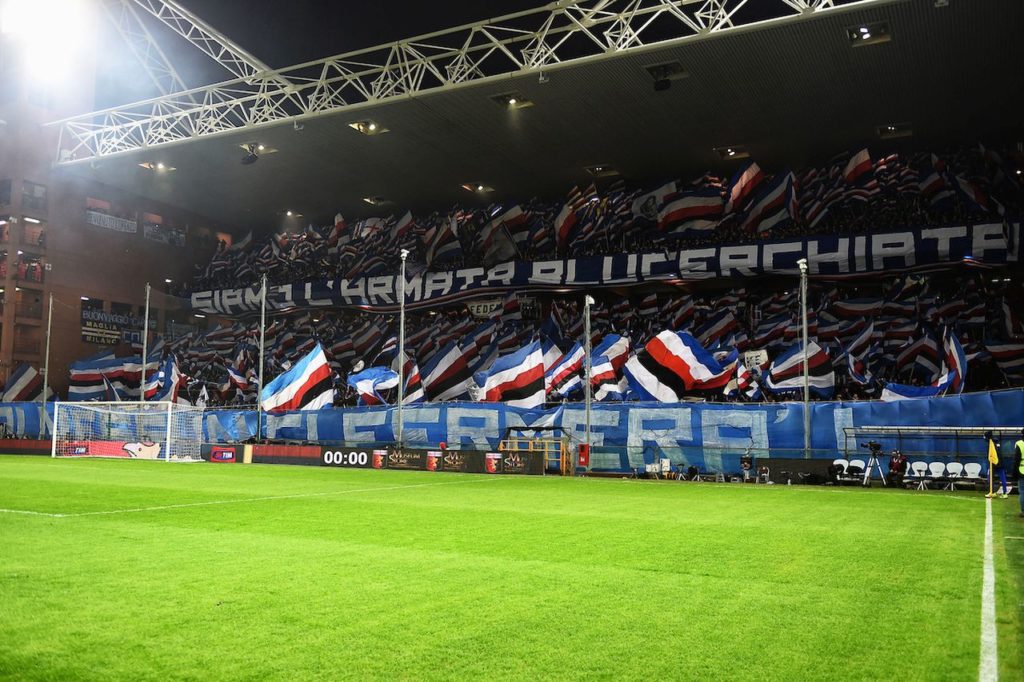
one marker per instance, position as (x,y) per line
(240,500)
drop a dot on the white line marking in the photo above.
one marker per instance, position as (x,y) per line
(246,499)
(988,669)
(1013,537)
(29,513)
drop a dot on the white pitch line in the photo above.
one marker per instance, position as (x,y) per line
(245,499)
(988,668)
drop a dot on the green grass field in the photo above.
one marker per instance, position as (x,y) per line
(169,571)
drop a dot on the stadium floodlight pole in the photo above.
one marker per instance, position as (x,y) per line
(401,350)
(807,379)
(587,302)
(145,348)
(263,339)
(46,370)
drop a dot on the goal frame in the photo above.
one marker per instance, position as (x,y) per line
(167,409)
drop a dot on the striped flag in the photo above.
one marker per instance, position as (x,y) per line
(306,386)
(670,365)
(517,379)
(369,382)
(787,371)
(565,376)
(742,186)
(24,384)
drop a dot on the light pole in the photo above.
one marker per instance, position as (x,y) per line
(587,302)
(145,348)
(263,339)
(401,350)
(46,369)
(807,379)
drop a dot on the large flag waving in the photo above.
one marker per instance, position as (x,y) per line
(370,382)
(517,379)
(306,386)
(787,372)
(671,364)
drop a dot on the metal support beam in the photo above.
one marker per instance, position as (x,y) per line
(163,74)
(214,44)
(558,34)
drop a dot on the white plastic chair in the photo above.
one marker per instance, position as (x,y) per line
(860,464)
(919,471)
(937,472)
(955,473)
(972,472)
(841,463)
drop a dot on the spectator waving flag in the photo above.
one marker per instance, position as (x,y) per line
(370,382)
(671,364)
(742,186)
(306,386)
(24,384)
(517,379)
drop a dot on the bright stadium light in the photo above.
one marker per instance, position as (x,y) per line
(51,34)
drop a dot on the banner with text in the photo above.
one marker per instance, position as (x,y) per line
(828,256)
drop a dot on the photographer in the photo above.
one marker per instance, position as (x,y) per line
(897,468)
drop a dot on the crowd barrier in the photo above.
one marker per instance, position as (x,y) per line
(709,436)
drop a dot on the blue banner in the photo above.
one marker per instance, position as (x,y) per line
(899,251)
(709,436)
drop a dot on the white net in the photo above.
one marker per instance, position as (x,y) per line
(153,430)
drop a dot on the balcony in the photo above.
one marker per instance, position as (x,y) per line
(29,311)
(27,346)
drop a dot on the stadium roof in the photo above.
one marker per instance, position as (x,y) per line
(790,91)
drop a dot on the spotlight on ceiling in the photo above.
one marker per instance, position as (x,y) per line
(252,156)
(891,131)
(511,100)
(663,74)
(477,187)
(868,34)
(601,170)
(368,127)
(733,151)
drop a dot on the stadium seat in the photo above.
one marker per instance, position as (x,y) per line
(955,475)
(857,464)
(841,463)
(937,472)
(918,473)
(972,472)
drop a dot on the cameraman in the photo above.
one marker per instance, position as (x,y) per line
(897,468)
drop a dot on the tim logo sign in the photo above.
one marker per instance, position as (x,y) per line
(224,455)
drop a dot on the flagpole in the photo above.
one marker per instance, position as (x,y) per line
(46,370)
(401,350)
(807,379)
(263,332)
(145,348)
(587,302)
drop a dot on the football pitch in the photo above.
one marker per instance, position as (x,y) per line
(147,570)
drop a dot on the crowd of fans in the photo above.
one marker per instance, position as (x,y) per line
(909,317)
(966,185)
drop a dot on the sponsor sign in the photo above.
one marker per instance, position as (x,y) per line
(223,454)
(99,326)
(407,459)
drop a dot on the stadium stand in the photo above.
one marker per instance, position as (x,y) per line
(901,335)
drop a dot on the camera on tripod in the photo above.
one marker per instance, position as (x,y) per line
(874,446)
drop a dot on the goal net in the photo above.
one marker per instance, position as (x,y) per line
(153,430)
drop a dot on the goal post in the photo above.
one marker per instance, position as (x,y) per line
(134,430)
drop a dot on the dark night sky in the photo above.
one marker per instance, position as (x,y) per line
(282,33)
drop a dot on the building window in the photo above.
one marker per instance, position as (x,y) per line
(92,304)
(33,197)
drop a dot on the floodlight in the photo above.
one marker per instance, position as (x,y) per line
(51,35)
